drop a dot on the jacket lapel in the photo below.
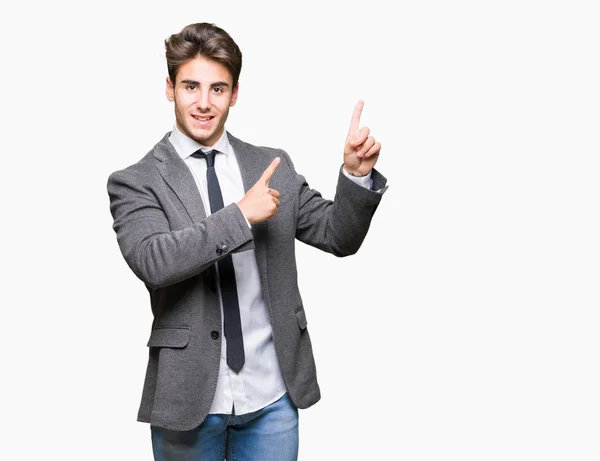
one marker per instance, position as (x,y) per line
(249,161)
(179,178)
(252,166)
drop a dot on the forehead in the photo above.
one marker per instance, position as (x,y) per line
(203,70)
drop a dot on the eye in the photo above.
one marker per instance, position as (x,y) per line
(191,87)
(218,89)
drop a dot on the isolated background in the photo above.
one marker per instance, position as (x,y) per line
(479,276)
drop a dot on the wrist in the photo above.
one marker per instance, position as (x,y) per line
(354,173)
(245,213)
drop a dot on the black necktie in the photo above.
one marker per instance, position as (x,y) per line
(231,308)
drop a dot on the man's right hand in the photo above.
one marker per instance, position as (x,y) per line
(260,202)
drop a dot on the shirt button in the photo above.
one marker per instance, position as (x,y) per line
(214,334)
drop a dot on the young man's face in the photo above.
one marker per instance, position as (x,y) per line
(202,94)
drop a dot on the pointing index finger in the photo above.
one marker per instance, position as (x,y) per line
(355,122)
(266,176)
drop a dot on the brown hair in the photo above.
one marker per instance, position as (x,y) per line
(206,40)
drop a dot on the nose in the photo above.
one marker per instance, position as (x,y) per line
(203,101)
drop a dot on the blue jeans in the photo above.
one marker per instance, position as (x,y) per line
(269,434)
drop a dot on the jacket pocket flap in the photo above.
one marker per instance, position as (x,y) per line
(169,337)
(301,317)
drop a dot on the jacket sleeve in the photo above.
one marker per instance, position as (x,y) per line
(158,255)
(337,226)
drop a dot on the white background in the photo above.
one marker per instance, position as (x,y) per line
(466,328)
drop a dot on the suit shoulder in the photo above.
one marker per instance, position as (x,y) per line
(140,169)
(238,144)
(141,172)
(144,167)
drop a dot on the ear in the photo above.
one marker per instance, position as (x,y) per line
(234,95)
(170,91)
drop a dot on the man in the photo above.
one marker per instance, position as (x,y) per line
(208,223)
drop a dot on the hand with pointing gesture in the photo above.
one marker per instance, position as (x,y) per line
(361,151)
(260,202)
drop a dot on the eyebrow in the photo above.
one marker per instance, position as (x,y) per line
(194,82)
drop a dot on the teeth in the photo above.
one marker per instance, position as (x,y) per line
(202,119)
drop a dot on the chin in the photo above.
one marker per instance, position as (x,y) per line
(200,136)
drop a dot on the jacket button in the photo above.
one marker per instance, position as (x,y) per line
(214,334)
(225,248)
(219,251)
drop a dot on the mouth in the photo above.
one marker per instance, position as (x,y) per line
(203,119)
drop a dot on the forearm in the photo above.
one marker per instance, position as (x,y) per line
(338,227)
(162,251)
(167,258)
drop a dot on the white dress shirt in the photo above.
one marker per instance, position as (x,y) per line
(260,381)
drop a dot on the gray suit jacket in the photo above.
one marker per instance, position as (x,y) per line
(172,246)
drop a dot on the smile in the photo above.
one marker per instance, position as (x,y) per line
(203,120)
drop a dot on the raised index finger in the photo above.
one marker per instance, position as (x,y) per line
(266,176)
(355,122)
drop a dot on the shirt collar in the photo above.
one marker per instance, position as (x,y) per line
(186,146)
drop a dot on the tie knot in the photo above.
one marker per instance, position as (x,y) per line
(209,156)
